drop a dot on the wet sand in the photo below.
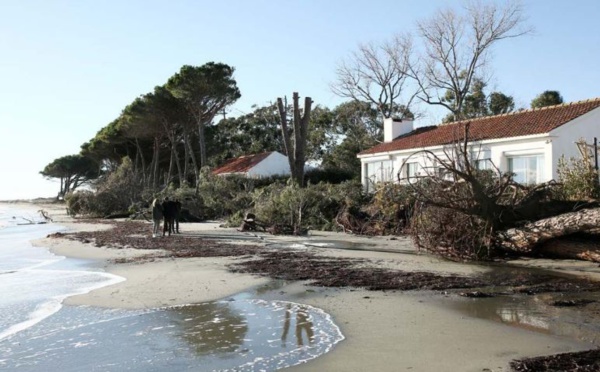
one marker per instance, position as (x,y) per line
(385,331)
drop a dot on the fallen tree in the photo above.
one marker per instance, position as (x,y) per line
(523,239)
(464,212)
(584,247)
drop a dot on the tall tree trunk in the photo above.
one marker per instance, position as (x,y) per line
(178,165)
(202,143)
(192,156)
(296,153)
(169,174)
(186,156)
(175,156)
(155,160)
(171,133)
(143,161)
(287,142)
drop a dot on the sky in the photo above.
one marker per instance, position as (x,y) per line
(68,67)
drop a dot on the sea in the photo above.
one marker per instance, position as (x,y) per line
(245,332)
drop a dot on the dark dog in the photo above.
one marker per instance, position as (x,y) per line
(170,213)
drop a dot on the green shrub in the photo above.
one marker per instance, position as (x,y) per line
(314,206)
(578,179)
(335,176)
(114,194)
(391,207)
(221,197)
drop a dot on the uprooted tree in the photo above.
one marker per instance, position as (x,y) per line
(465,211)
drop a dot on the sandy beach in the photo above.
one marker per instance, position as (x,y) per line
(384,330)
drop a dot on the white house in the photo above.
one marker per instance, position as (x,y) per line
(527,143)
(265,164)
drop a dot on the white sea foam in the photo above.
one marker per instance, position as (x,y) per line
(253,334)
(33,281)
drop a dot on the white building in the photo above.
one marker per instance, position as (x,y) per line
(265,164)
(527,143)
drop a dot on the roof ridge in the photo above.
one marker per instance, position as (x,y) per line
(597,99)
(253,155)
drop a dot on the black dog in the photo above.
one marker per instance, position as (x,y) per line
(170,213)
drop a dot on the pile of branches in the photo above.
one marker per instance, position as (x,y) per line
(388,213)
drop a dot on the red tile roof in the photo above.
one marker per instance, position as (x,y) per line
(522,123)
(242,164)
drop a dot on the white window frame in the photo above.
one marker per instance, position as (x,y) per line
(525,173)
(482,159)
(383,171)
(411,170)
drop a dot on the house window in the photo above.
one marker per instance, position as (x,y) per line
(527,169)
(482,159)
(444,174)
(379,171)
(412,170)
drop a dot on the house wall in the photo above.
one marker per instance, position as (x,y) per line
(560,141)
(585,127)
(498,151)
(538,145)
(274,164)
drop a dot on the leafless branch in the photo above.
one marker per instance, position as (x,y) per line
(380,75)
(457,47)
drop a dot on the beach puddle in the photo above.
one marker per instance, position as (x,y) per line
(241,334)
(574,315)
(536,313)
(333,244)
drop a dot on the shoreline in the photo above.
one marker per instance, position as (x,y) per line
(384,331)
(152,284)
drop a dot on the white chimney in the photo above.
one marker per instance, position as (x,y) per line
(393,128)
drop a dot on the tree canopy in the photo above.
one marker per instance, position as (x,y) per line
(547,98)
(204,91)
(72,170)
(478,104)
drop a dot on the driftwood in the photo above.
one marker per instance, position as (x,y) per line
(538,237)
(42,213)
(45,215)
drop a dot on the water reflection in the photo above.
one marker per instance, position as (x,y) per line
(210,328)
(537,313)
(533,305)
(241,334)
(303,325)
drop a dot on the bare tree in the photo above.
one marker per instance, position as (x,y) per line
(457,47)
(380,75)
(296,150)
